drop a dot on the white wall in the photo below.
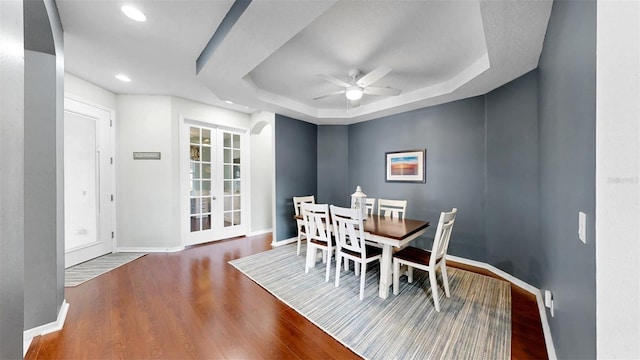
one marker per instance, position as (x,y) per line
(618,180)
(203,112)
(262,168)
(148,201)
(147,217)
(87,92)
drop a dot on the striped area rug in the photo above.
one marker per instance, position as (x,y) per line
(475,323)
(86,271)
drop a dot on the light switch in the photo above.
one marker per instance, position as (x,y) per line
(548,298)
(548,301)
(582,227)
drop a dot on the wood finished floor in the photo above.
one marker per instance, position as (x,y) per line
(194,305)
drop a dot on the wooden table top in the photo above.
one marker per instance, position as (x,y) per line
(391,228)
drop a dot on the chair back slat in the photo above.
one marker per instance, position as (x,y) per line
(392,208)
(316,219)
(297,200)
(348,229)
(443,235)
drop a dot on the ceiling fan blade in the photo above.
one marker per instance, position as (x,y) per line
(384,91)
(329,94)
(373,76)
(334,80)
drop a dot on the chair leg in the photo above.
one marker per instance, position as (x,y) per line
(356,268)
(445,279)
(396,277)
(362,279)
(299,241)
(346,264)
(409,274)
(338,262)
(434,289)
(324,256)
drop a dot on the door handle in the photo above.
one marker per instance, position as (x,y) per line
(213,198)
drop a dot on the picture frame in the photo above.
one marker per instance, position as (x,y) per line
(406,166)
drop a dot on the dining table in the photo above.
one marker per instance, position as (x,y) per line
(390,233)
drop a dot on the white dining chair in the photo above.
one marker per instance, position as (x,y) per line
(348,227)
(427,260)
(371,203)
(297,200)
(316,222)
(392,208)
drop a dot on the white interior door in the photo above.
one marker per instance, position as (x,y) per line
(88,182)
(212,164)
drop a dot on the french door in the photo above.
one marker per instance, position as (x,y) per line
(212,165)
(88,182)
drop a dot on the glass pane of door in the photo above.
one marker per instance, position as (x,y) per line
(200,166)
(232,179)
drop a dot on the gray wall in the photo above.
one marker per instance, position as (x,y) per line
(333,165)
(11,177)
(40,189)
(43,167)
(296,169)
(513,235)
(453,135)
(567,116)
(530,147)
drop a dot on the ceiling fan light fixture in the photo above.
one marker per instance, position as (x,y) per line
(354,93)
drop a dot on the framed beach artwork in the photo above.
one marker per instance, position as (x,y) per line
(406,166)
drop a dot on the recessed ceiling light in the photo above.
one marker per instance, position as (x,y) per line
(133,13)
(123,77)
(229,102)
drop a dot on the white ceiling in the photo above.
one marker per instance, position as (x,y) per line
(439,51)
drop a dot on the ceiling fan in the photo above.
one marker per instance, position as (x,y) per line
(360,85)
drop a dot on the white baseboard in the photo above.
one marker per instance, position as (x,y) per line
(551,351)
(46,328)
(260,232)
(284,242)
(149,249)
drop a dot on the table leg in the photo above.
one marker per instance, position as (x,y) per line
(385,271)
(311,258)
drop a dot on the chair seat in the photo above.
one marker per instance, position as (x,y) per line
(372,251)
(414,255)
(322,243)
